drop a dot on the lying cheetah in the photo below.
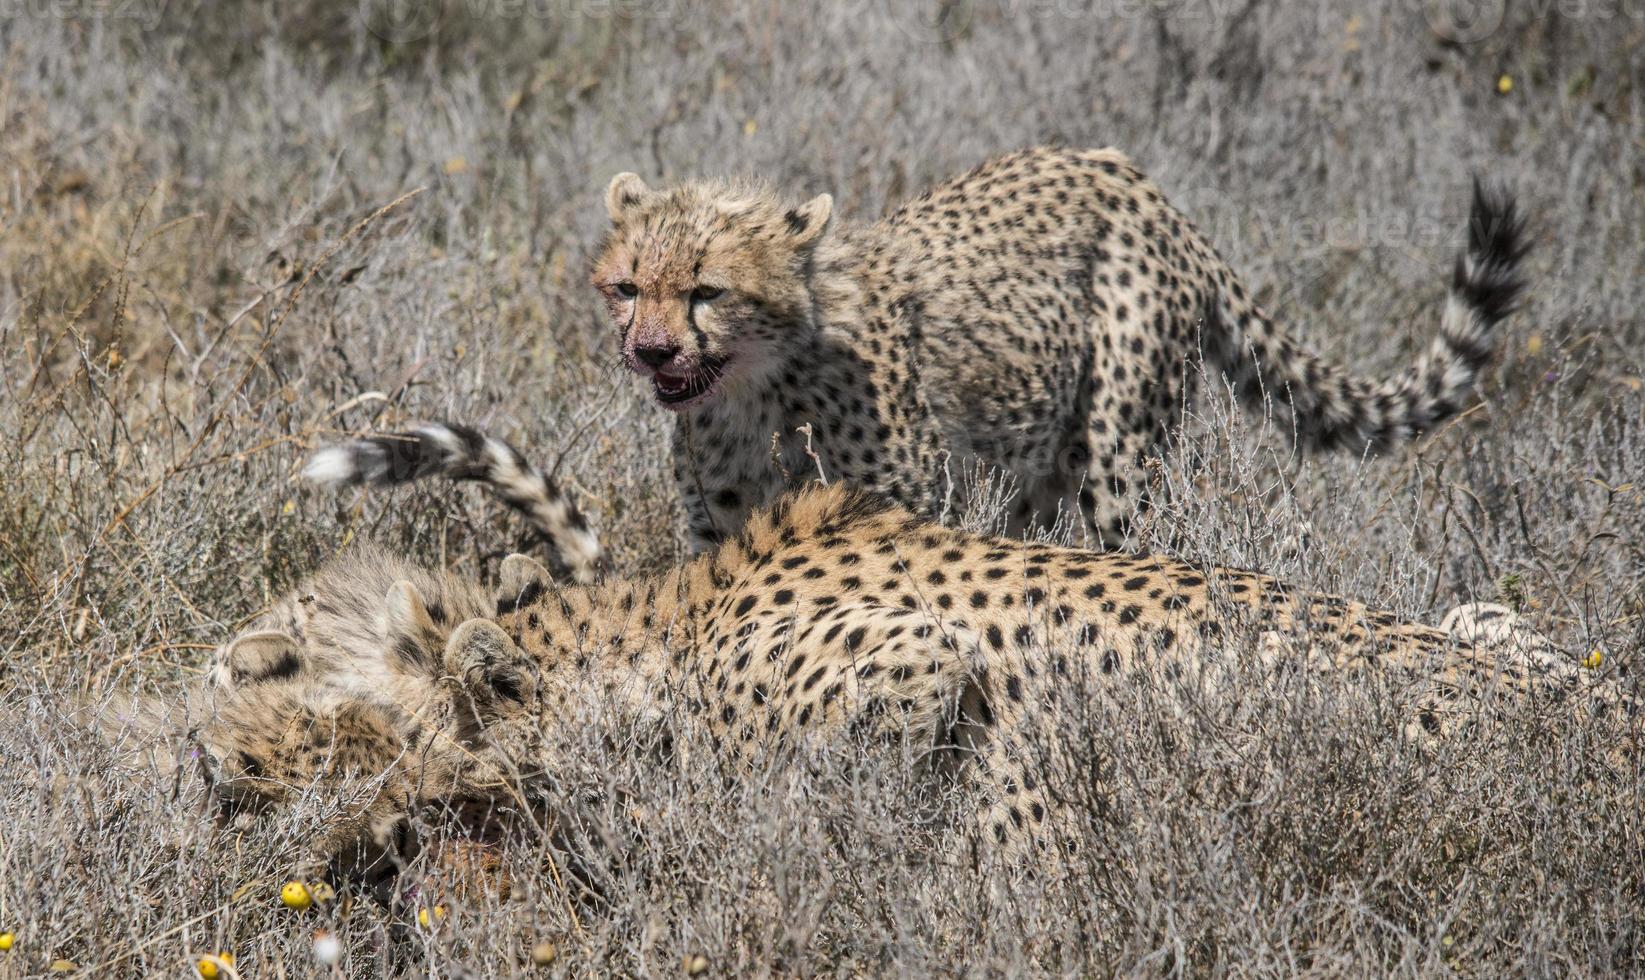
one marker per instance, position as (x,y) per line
(1037,316)
(833,612)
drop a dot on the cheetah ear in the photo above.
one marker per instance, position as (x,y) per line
(496,672)
(521,580)
(804,225)
(413,637)
(261,656)
(625,193)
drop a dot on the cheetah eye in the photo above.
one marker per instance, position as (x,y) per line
(704,294)
(627,290)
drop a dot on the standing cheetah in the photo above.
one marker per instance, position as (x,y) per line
(1037,315)
(833,612)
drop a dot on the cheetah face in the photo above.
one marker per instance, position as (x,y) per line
(270,750)
(267,745)
(706,285)
(336,760)
(278,735)
(369,740)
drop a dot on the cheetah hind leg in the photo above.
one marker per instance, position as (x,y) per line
(1494,628)
(1499,632)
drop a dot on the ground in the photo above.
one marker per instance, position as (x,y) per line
(207,269)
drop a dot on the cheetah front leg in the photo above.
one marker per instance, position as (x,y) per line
(1131,396)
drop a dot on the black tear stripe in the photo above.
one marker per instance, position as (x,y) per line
(284,667)
(527,596)
(410,652)
(627,328)
(697,332)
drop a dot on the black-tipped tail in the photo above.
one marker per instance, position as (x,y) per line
(1488,276)
(1333,407)
(458,452)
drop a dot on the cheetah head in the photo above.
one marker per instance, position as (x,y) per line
(449,729)
(276,736)
(707,283)
(369,748)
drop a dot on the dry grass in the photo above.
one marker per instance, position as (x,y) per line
(192,297)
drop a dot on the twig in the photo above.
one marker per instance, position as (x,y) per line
(357,400)
(806,431)
(245,376)
(777,457)
(239,895)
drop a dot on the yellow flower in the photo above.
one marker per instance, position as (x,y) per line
(7,940)
(1594,659)
(296,895)
(1505,84)
(427,918)
(210,966)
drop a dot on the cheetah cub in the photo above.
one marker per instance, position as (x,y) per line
(1039,316)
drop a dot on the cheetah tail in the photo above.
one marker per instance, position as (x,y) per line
(1333,408)
(459,452)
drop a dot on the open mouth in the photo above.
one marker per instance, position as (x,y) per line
(680,389)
